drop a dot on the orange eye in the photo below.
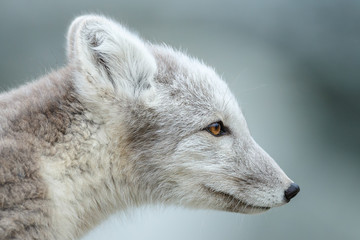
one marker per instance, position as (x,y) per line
(217,129)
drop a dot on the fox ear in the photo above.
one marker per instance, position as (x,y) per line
(109,56)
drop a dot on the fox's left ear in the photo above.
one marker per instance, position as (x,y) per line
(110,56)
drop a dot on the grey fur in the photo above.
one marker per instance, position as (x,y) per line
(33,118)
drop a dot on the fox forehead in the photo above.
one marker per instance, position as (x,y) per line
(194,89)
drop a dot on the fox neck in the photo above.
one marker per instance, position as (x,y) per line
(87,175)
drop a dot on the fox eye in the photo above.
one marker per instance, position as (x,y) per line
(216,129)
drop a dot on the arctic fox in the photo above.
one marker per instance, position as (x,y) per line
(125,123)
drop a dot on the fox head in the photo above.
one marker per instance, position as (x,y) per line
(174,120)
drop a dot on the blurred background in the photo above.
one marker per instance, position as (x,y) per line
(294,67)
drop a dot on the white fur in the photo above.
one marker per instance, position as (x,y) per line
(94,37)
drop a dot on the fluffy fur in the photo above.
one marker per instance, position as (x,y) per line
(122,125)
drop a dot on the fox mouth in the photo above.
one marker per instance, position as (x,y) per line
(234,204)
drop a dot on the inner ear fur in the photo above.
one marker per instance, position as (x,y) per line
(109,54)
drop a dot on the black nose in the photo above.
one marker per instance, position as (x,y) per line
(292,191)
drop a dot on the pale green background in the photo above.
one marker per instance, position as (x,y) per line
(294,67)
